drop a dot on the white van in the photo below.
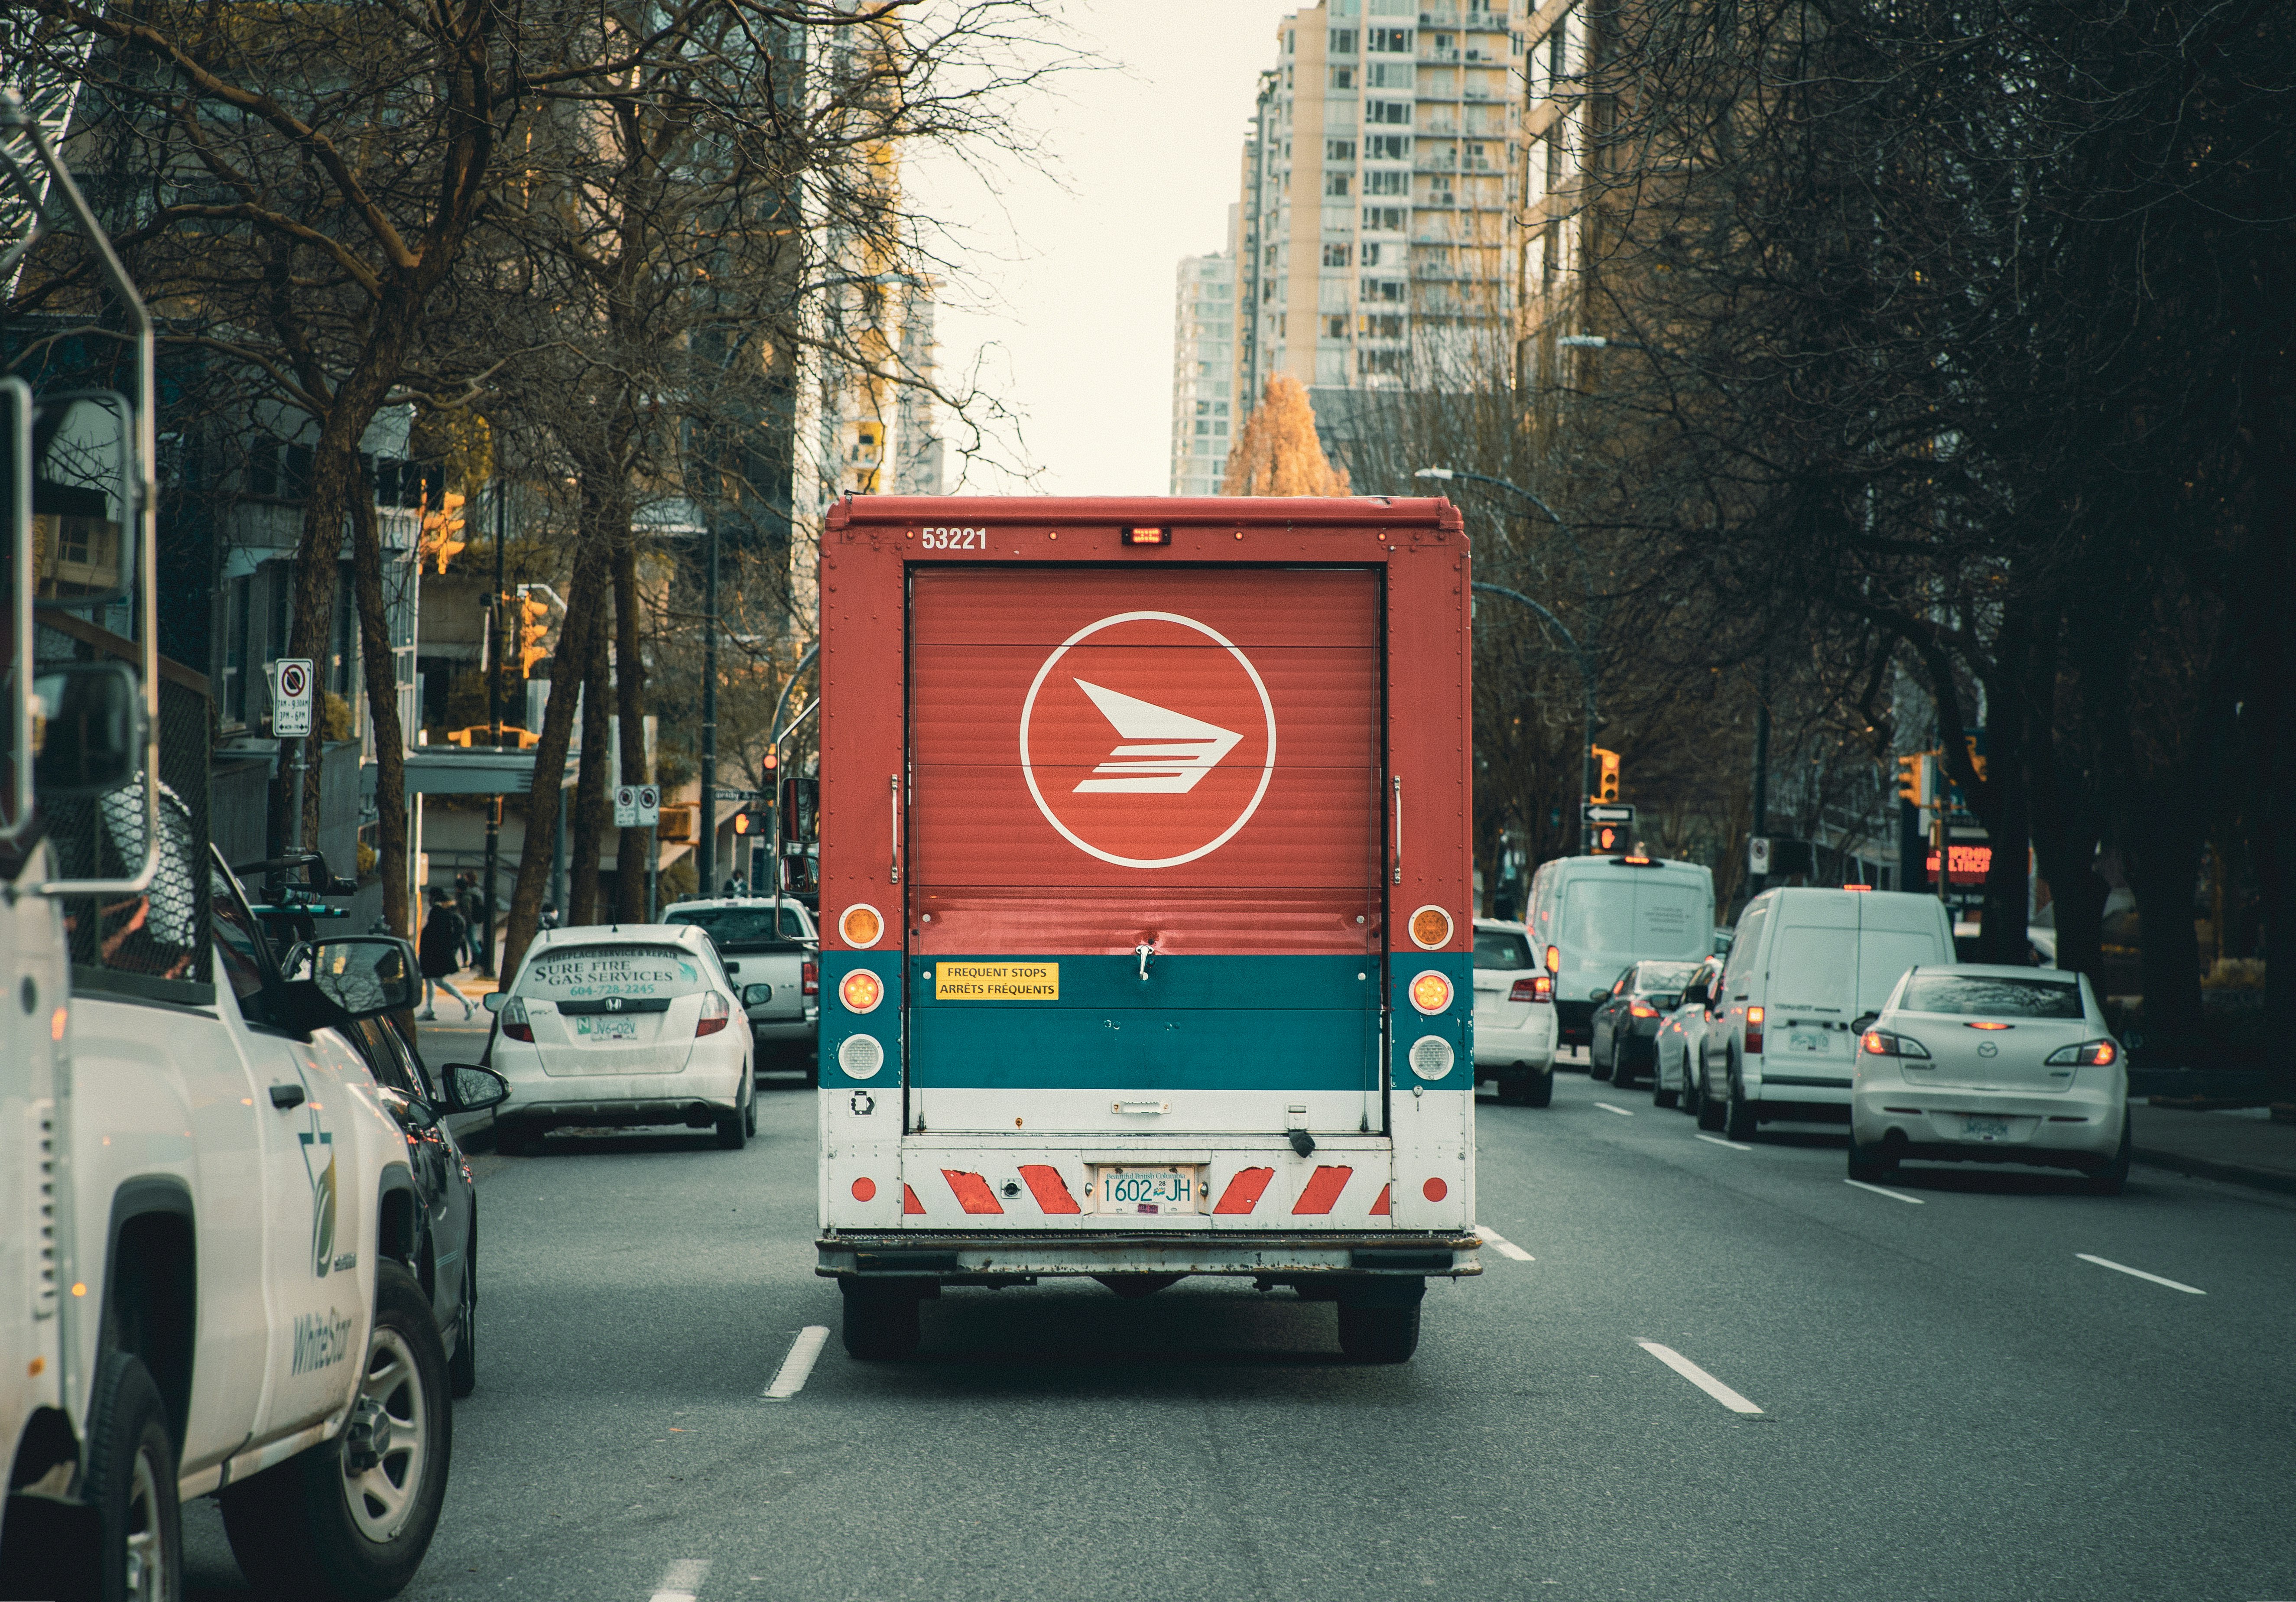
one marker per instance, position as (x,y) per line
(1806,970)
(1592,916)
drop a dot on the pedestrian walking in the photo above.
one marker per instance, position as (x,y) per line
(441,953)
(471,904)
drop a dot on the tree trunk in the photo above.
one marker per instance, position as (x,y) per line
(382,707)
(2162,872)
(584,596)
(590,785)
(634,850)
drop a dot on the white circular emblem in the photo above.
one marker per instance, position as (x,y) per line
(1268,764)
(861,1057)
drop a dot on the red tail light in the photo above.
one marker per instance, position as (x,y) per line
(812,971)
(1525,989)
(515,1026)
(1641,1009)
(715,1013)
(1753,1029)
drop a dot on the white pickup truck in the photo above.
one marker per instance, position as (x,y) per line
(209,1241)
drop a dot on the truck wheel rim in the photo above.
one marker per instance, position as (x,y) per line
(388,1441)
(145,1569)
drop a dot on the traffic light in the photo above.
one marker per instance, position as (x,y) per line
(1606,835)
(1976,757)
(1606,785)
(533,623)
(442,530)
(772,759)
(1909,778)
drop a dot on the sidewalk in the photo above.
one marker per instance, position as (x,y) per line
(2245,1146)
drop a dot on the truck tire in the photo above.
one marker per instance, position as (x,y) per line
(1379,1335)
(881,1320)
(351,1517)
(463,1367)
(1738,1117)
(131,1485)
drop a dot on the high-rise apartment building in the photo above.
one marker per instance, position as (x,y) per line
(1548,235)
(1203,357)
(1374,242)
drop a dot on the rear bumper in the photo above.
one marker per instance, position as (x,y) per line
(696,1111)
(961,1256)
(1532,1045)
(2080,1127)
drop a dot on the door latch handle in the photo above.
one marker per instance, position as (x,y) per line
(283,1097)
(1146,952)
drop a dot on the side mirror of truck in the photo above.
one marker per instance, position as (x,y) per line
(90,734)
(471,1088)
(83,494)
(367,975)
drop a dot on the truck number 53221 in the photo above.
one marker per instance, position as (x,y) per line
(955,539)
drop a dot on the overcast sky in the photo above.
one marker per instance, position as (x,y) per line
(1067,316)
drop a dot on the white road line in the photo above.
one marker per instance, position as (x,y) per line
(1893,1195)
(1698,1376)
(2122,1268)
(682,1580)
(1502,1245)
(791,1378)
(1607,1107)
(1717,1140)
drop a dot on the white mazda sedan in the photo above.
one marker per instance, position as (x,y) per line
(616,1025)
(1971,1063)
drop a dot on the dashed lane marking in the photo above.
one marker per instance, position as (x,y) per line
(1698,1376)
(2122,1268)
(1892,1194)
(1501,1244)
(791,1378)
(682,1580)
(1607,1107)
(1717,1140)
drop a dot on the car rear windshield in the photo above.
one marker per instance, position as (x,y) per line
(1501,949)
(1669,977)
(582,973)
(1984,995)
(749,927)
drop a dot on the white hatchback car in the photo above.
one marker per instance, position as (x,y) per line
(1974,1064)
(1514,1016)
(1682,1041)
(615,1026)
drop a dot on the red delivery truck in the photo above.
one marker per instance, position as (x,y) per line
(1145,944)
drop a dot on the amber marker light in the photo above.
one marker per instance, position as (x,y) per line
(1147,537)
(862,925)
(861,990)
(1430,928)
(1554,959)
(1430,993)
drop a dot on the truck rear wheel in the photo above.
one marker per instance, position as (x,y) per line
(352,1517)
(1379,1335)
(131,1485)
(881,1319)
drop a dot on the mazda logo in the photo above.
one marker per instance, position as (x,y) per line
(1989,1050)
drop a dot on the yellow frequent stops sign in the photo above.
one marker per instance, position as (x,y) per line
(997,980)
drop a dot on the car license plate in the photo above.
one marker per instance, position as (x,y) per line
(606,1029)
(1152,1191)
(1813,1040)
(1984,1128)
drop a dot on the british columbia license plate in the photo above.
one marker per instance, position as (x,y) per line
(606,1029)
(1813,1040)
(1152,1191)
(1984,1128)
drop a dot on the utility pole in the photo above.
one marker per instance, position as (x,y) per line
(1761,772)
(705,848)
(495,720)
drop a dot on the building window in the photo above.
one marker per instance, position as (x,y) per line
(1389,75)
(1387,290)
(1383,219)
(1394,181)
(1381,325)
(1336,328)
(1338,183)
(1398,112)
(1338,149)
(1386,364)
(1335,255)
(1388,147)
(1390,41)
(1343,78)
(1343,41)
(1370,256)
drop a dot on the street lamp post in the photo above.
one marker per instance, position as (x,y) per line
(705,843)
(1586,674)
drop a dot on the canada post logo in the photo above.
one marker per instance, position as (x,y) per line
(1147,739)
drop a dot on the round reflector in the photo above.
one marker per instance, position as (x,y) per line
(864,1189)
(1431,1057)
(1430,993)
(1430,928)
(1435,1190)
(861,990)
(861,1057)
(862,925)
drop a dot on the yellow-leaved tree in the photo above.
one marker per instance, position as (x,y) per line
(1278,452)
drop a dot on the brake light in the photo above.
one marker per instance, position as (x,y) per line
(1538,987)
(1857,887)
(1430,993)
(1641,1009)
(1880,1043)
(1988,1026)
(1634,861)
(1753,1029)
(2090,1053)
(715,1013)
(514,1021)
(811,973)
(1554,959)
(860,991)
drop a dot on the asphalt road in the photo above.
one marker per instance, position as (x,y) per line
(1954,1403)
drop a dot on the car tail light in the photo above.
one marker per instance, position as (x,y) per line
(1753,1029)
(811,972)
(2090,1054)
(1554,959)
(1430,993)
(715,1013)
(514,1021)
(1529,989)
(860,991)
(1641,1009)
(1988,1026)
(1880,1043)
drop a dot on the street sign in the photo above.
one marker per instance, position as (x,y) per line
(626,806)
(649,805)
(1609,812)
(290,697)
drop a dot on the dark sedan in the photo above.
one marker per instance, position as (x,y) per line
(1626,1022)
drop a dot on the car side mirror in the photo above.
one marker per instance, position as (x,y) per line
(90,734)
(757,995)
(1865,1022)
(366,975)
(1598,996)
(492,1001)
(471,1088)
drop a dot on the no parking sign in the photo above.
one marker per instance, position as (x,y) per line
(290,699)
